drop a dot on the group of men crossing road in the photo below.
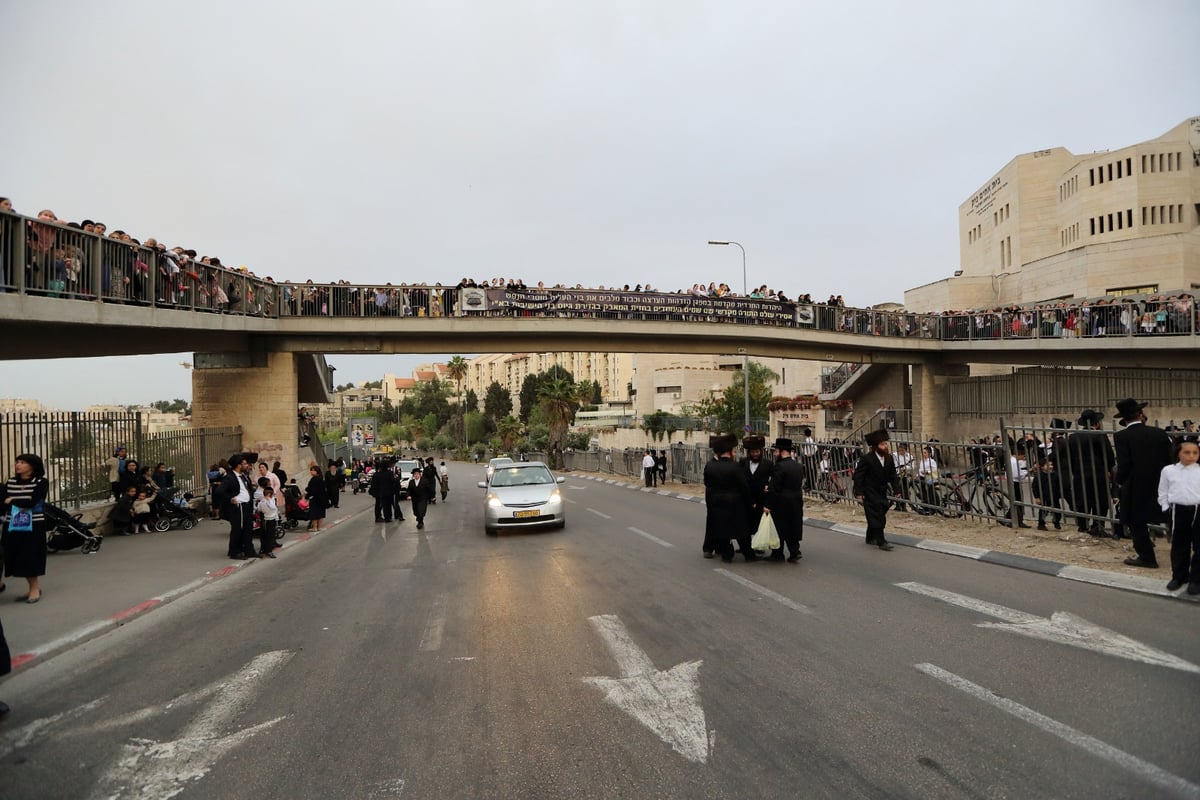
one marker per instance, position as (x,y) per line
(421,487)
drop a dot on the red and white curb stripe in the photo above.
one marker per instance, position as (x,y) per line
(94,629)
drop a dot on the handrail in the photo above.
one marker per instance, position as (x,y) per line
(43,258)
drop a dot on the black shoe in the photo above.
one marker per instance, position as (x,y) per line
(1194,587)
(1041,526)
(776,557)
(420,525)
(1140,562)
(379,519)
(793,558)
(886,546)
(1175,585)
(708,555)
(727,559)
(1025,525)
(1057,526)
(399,519)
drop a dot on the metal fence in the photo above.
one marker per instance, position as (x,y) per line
(76,447)
(1038,390)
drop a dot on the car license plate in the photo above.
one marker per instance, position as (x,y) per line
(523,514)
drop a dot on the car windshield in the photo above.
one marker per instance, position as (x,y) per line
(522,476)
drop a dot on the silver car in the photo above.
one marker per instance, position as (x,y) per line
(522,495)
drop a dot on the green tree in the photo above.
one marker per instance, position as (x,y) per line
(729,408)
(478,427)
(558,399)
(509,431)
(176,406)
(529,393)
(656,424)
(472,401)
(429,397)
(497,402)
(457,370)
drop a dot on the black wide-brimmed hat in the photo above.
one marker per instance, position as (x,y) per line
(1089,417)
(1129,409)
(722,442)
(1058,423)
(753,442)
(783,443)
(875,437)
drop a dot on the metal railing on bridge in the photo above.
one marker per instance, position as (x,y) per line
(44,258)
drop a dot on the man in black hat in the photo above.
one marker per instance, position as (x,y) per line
(726,498)
(1086,464)
(875,480)
(758,474)
(1142,452)
(785,501)
(237,506)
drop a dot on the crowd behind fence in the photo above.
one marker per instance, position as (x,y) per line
(45,258)
(1063,477)
(75,447)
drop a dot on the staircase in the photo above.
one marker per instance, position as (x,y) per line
(836,380)
(894,420)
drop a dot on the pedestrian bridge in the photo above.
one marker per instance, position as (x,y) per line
(342,319)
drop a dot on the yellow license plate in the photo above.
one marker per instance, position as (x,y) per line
(523,514)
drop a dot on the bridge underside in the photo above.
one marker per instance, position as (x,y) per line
(49,328)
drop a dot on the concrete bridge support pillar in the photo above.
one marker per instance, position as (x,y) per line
(929,403)
(258,392)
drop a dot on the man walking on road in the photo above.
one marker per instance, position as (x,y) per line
(1142,452)
(726,498)
(874,479)
(383,488)
(758,474)
(785,501)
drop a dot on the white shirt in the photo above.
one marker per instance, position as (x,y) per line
(927,468)
(648,462)
(1018,469)
(268,509)
(903,460)
(753,465)
(1179,485)
(243,495)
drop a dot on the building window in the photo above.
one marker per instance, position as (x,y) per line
(1093,221)
(1171,212)
(1119,175)
(1091,177)
(1129,218)
(1143,215)
(1125,291)
(1129,165)
(1110,171)
(1161,161)
(1110,223)
(1143,163)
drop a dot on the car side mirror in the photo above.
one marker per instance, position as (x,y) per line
(482,484)
(560,479)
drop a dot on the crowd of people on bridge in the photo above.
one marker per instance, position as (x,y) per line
(61,261)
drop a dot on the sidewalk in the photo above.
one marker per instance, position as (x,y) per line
(86,595)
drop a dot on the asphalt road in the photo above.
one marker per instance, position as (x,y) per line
(605,662)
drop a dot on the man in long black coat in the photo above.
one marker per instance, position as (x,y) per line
(1142,452)
(383,488)
(785,501)
(875,479)
(758,474)
(726,498)
(1088,466)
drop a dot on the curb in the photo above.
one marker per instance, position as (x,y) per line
(1097,577)
(95,629)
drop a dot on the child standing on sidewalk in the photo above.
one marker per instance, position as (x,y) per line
(1179,494)
(141,513)
(269,511)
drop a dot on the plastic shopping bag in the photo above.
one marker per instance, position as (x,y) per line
(766,537)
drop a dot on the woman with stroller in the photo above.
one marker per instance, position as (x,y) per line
(24,537)
(317,498)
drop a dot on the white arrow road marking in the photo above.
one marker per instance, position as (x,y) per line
(431,639)
(668,703)
(1060,627)
(651,537)
(161,770)
(1172,783)
(22,736)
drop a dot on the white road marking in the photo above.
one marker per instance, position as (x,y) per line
(599,513)
(651,537)
(668,702)
(392,788)
(22,736)
(569,500)
(1060,627)
(1106,752)
(577,488)
(146,768)
(764,591)
(431,638)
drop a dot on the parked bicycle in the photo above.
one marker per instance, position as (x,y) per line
(974,492)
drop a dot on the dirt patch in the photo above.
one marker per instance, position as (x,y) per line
(1066,546)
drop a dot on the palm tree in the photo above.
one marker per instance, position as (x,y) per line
(457,369)
(558,399)
(509,429)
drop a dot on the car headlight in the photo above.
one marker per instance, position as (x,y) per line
(494,501)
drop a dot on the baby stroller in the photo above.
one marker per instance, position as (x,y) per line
(66,531)
(172,512)
(362,481)
(295,509)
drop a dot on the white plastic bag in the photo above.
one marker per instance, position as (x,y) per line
(766,537)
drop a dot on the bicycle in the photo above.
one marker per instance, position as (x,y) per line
(973,492)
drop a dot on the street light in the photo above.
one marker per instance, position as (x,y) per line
(745,358)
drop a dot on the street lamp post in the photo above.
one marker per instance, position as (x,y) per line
(745,358)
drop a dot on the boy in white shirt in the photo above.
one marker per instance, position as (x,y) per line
(1179,494)
(269,511)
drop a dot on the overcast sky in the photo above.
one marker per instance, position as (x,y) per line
(581,142)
